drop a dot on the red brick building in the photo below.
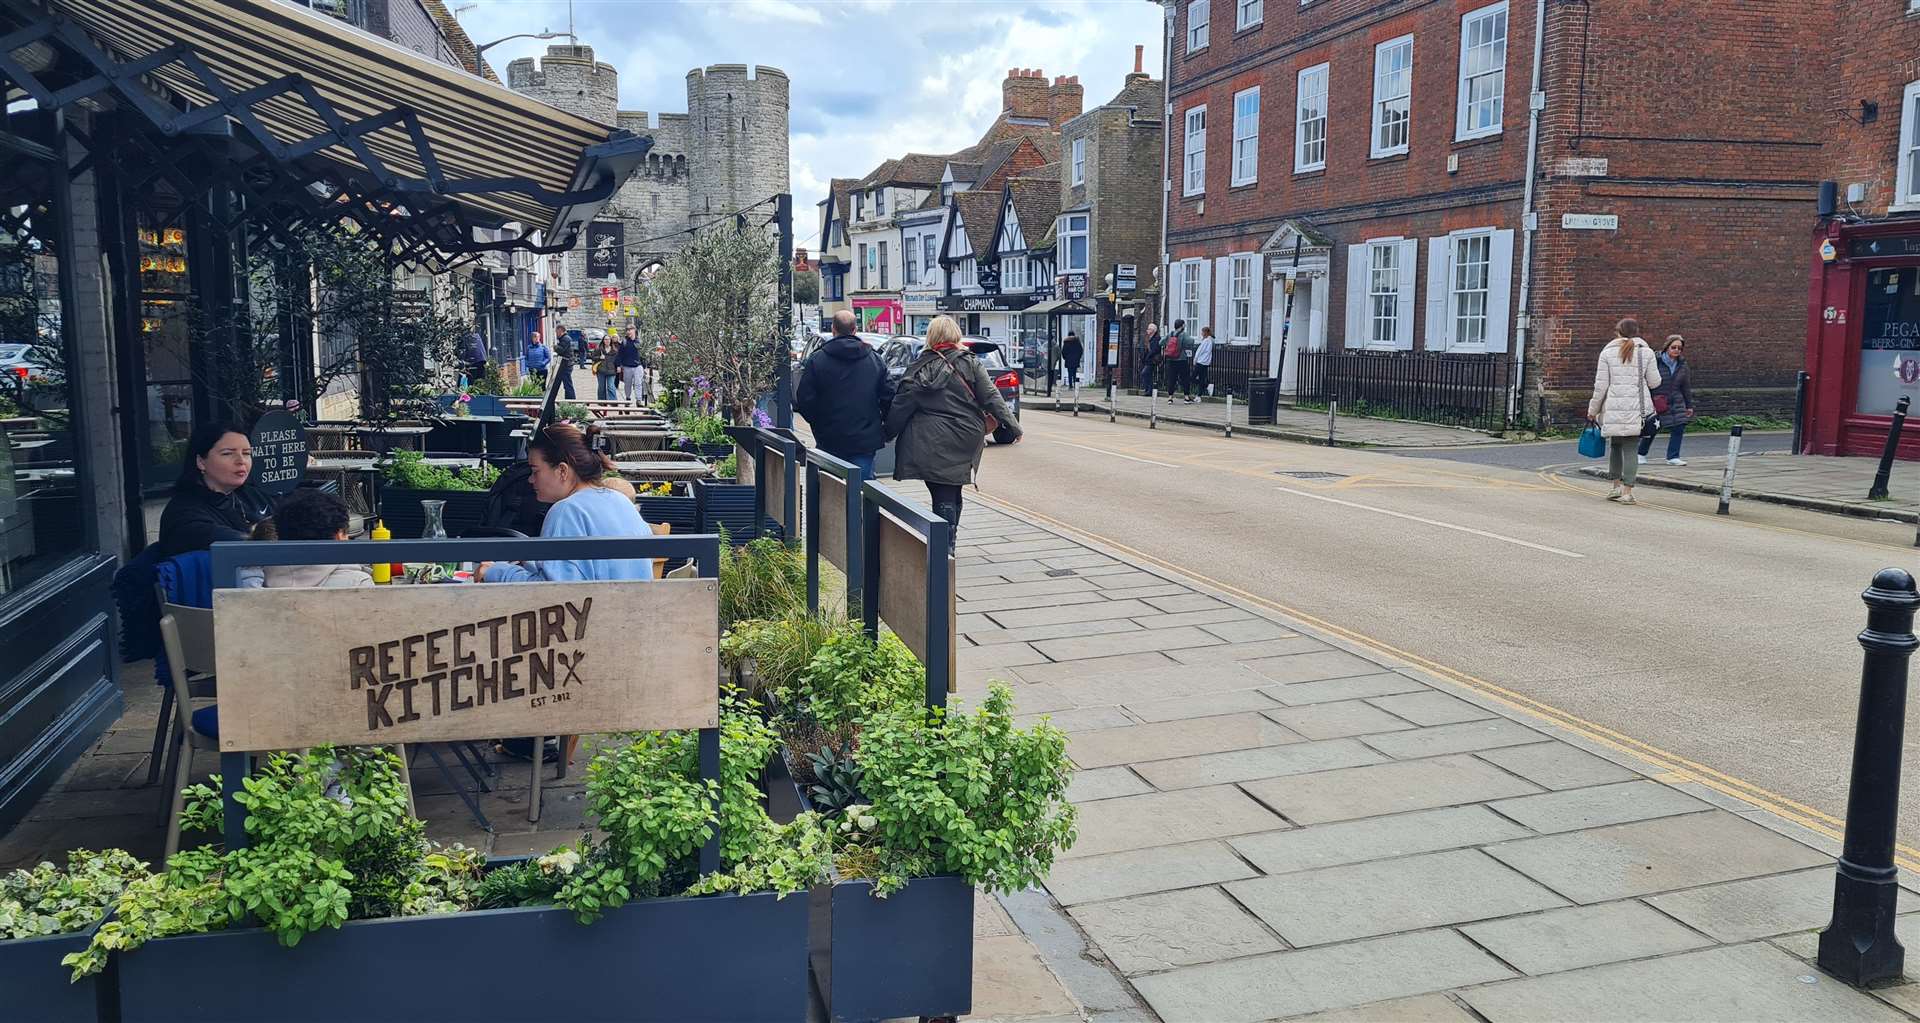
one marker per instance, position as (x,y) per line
(1378,154)
(1863,309)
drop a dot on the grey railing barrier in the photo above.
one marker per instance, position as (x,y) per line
(907,581)
(702,549)
(833,525)
(771,475)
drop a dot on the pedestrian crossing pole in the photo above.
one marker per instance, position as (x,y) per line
(1726,477)
(1153,406)
(1229,413)
(1076,398)
(1333,409)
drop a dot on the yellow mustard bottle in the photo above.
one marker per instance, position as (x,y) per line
(382,571)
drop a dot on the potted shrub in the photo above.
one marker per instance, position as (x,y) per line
(703,434)
(47,914)
(408,481)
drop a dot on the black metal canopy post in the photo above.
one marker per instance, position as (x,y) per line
(1859,945)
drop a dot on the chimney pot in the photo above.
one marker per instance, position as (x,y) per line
(1139,55)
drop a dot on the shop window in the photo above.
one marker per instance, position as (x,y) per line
(1889,340)
(42,520)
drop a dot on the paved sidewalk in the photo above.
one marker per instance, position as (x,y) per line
(1274,824)
(1819,482)
(1289,424)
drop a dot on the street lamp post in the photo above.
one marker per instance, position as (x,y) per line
(478,50)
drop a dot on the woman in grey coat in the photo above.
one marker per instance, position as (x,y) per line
(938,417)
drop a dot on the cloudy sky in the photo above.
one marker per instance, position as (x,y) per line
(871,78)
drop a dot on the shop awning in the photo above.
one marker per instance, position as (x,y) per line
(1062,307)
(404,130)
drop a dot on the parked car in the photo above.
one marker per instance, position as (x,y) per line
(873,341)
(900,351)
(18,355)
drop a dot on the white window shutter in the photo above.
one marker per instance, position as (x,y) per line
(1357,335)
(1205,266)
(1438,249)
(1499,290)
(1222,321)
(1256,284)
(1409,293)
(1176,288)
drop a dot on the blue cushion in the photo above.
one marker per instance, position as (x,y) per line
(206,721)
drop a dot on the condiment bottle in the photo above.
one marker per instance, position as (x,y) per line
(382,571)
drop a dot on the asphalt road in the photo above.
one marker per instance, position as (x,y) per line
(1729,643)
(1541,454)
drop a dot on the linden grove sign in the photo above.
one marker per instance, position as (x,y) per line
(391,664)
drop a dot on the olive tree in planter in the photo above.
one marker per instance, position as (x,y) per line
(714,308)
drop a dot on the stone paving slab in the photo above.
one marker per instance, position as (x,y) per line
(1156,640)
(1204,705)
(1556,765)
(1629,860)
(1338,719)
(1738,984)
(990,634)
(1579,936)
(997,655)
(1251,630)
(1179,618)
(1079,719)
(1440,740)
(1141,871)
(1045,602)
(995,591)
(1295,644)
(1760,907)
(1374,838)
(1312,667)
(1432,708)
(1292,983)
(1252,764)
(1157,932)
(1598,806)
(1362,900)
(1085,607)
(1105,783)
(1352,687)
(1387,788)
(1418,1009)
(1136,678)
(1183,737)
(1138,822)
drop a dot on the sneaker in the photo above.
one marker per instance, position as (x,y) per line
(1193,401)
(1628,500)
(1614,494)
(1676,461)
(1643,459)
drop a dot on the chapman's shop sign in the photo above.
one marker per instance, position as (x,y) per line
(984,303)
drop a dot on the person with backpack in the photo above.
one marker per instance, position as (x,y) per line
(945,407)
(1176,354)
(844,394)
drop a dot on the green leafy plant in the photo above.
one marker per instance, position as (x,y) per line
(851,678)
(408,470)
(49,900)
(330,839)
(573,412)
(764,579)
(533,882)
(770,654)
(964,793)
(728,468)
(528,387)
(701,428)
(838,785)
(489,382)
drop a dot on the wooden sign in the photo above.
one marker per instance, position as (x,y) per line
(833,519)
(279,453)
(777,490)
(300,667)
(903,590)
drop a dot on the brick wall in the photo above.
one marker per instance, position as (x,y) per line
(1877,55)
(1123,170)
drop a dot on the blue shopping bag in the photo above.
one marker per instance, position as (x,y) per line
(1592,444)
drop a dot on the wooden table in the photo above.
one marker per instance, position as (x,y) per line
(389,438)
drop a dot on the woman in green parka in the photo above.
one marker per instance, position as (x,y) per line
(940,416)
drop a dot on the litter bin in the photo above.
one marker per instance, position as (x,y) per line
(1263,394)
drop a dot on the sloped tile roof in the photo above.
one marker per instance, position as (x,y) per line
(1036,202)
(1144,93)
(839,189)
(979,211)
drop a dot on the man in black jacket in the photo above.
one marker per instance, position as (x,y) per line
(844,394)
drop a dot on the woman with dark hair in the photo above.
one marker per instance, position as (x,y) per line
(211,500)
(574,480)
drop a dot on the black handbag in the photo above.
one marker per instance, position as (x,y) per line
(1649,422)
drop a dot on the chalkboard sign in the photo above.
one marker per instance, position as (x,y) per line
(279,453)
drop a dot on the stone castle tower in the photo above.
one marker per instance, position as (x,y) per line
(727,152)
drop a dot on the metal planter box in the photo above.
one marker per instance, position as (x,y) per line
(404,516)
(34,986)
(716,958)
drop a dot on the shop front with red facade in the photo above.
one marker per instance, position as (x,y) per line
(1863,338)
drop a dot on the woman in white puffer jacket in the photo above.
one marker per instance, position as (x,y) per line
(1623,383)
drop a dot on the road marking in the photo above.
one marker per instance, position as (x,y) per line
(1661,760)
(1433,522)
(1116,454)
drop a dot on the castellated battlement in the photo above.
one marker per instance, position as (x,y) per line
(569,78)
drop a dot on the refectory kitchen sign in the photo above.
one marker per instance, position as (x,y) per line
(300,667)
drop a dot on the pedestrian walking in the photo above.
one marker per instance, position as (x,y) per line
(569,346)
(1622,403)
(538,356)
(1672,401)
(606,367)
(1071,352)
(1203,362)
(942,413)
(845,394)
(1150,354)
(632,366)
(473,356)
(1178,356)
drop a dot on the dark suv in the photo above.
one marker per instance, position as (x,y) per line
(899,352)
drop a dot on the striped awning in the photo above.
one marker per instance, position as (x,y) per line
(432,131)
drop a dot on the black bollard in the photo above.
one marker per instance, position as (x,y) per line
(1885,473)
(1859,946)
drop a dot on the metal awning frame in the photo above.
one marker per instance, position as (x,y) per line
(304,182)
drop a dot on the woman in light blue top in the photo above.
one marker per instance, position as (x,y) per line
(572,478)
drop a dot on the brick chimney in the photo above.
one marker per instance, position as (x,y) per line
(1139,55)
(1064,100)
(1025,94)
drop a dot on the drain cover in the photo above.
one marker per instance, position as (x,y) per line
(1312,475)
(1056,572)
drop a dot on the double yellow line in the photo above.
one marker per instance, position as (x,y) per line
(1671,767)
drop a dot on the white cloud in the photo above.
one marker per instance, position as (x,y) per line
(872,79)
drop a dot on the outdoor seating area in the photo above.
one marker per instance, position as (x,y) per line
(445,835)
